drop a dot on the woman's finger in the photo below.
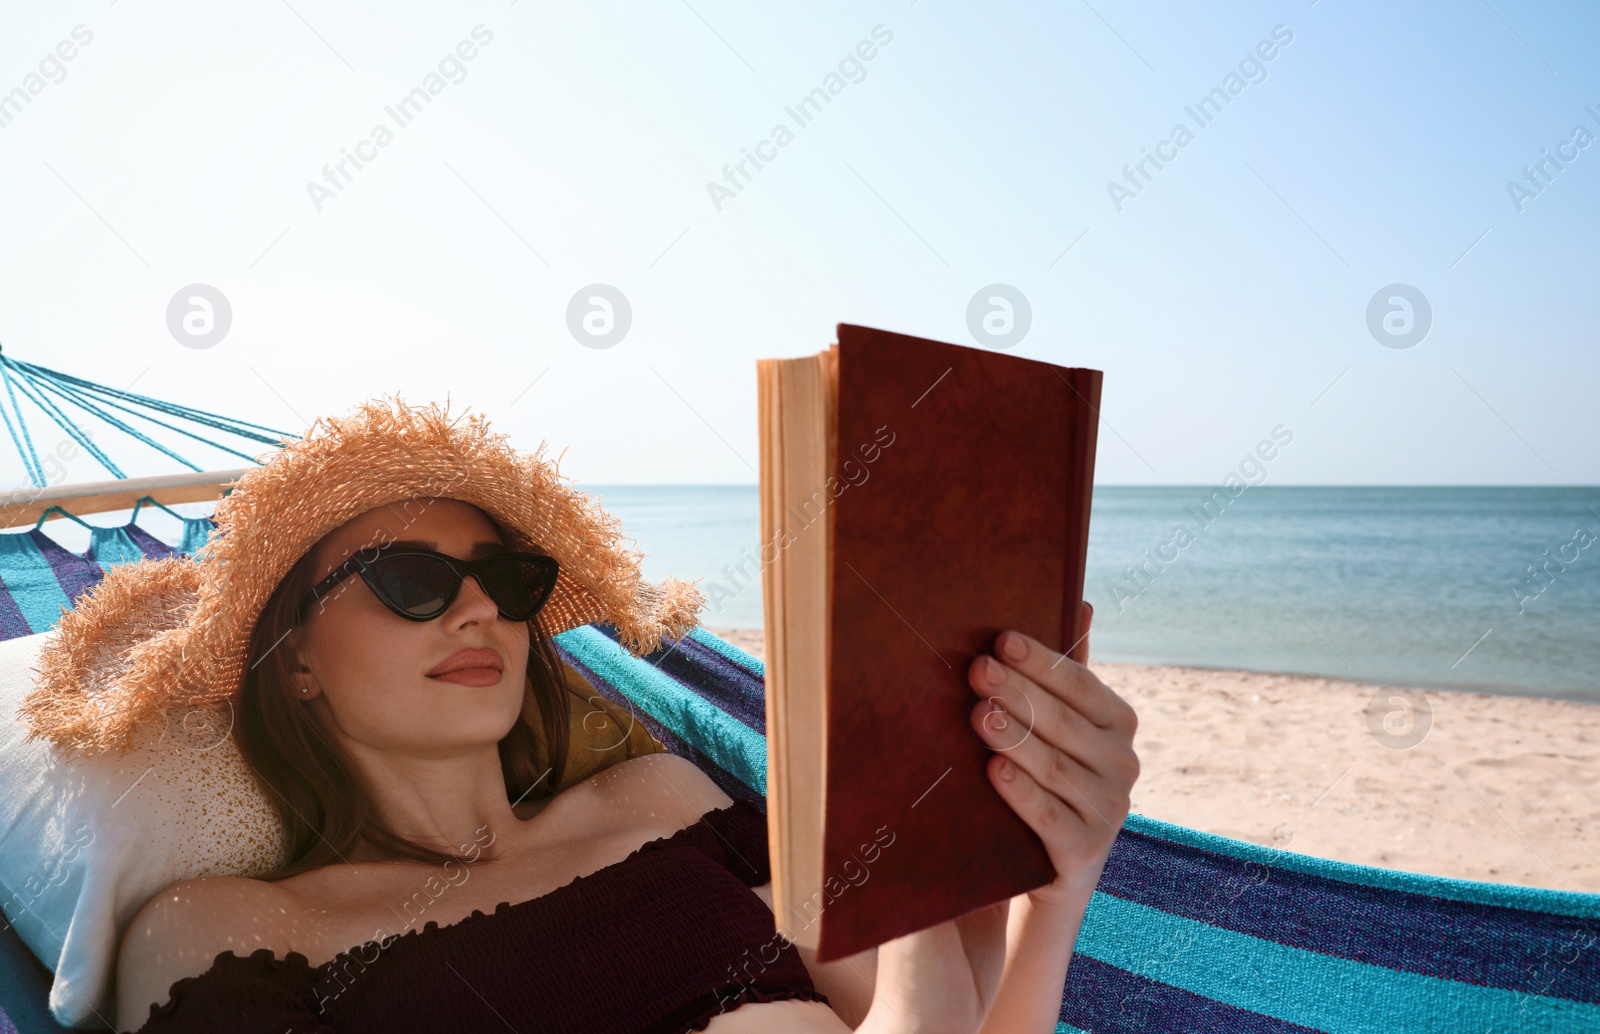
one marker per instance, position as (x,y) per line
(1093,796)
(1037,677)
(1080,649)
(1023,710)
(1066,679)
(1057,823)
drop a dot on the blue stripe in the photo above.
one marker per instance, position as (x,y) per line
(750,663)
(1067,1028)
(1432,936)
(32,582)
(1103,999)
(726,740)
(12,624)
(1307,988)
(712,676)
(665,736)
(1505,895)
(728,686)
(151,547)
(75,574)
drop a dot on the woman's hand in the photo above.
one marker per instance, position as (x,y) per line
(1064,757)
(1066,767)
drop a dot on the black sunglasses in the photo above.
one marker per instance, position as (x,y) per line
(420,584)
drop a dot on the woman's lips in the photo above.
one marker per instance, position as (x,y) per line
(470,676)
(473,666)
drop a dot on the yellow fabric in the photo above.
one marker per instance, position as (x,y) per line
(601,733)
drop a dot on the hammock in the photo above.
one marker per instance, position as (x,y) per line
(1186,931)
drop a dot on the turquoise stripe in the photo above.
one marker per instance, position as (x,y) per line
(31,580)
(1305,987)
(1504,895)
(728,650)
(731,744)
(196,530)
(109,547)
(1064,1027)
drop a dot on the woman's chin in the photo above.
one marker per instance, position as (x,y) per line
(447,711)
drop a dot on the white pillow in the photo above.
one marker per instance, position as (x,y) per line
(84,844)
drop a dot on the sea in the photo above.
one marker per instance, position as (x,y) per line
(1494,589)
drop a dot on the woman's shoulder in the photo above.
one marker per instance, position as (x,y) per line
(180,932)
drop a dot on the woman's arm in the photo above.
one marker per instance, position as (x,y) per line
(848,982)
(1039,940)
(180,932)
(1068,771)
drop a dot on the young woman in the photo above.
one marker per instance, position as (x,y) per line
(385,708)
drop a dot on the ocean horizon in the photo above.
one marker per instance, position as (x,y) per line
(1469,587)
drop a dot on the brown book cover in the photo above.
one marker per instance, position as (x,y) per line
(958,506)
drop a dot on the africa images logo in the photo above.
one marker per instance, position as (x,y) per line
(1252,69)
(803,112)
(451,70)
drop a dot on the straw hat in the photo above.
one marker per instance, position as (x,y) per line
(160,635)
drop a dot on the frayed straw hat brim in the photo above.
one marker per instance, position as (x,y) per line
(159,634)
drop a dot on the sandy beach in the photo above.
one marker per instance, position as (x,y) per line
(1470,785)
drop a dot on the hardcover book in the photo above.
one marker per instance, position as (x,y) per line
(917,498)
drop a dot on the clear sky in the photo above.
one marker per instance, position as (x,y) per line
(1227,296)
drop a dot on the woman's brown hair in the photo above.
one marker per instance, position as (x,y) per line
(310,779)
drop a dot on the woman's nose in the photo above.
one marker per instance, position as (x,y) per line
(474,598)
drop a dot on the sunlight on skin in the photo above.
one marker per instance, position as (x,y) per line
(425,747)
(426,750)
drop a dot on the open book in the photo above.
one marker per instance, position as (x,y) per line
(916,499)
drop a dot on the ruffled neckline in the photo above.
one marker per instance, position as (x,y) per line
(298,963)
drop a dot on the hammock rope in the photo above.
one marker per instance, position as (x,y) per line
(172,427)
(65,423)
(43,387)
(72,395)
(217,420)
(30,458)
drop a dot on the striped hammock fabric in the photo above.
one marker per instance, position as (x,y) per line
(38,577)
(1186,932)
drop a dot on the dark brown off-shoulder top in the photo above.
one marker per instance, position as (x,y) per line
(661,941)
